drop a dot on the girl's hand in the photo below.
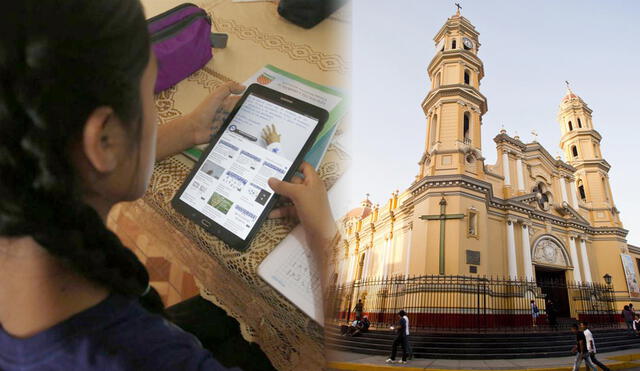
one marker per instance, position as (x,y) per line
(310,206)
(208,117)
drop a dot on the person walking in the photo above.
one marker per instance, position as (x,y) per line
(358,309)
(581,349)
(636,324)
(552,315)
(402,330)
(409,349)
(591,345)
(627,316)
(535,312)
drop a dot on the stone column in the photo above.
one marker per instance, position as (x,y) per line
(574,259)
(511,250)
(392,253)
(574,198)
(350,269)
(520,171)
(505,167)
(585,260)
(408,257)
(385,255)
(563,189)
(526,252)
(367,258)
(340,271)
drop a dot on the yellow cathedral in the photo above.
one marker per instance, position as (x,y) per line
(529,217)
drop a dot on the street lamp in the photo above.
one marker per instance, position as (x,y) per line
(607,280)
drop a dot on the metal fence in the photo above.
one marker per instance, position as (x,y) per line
(472,302)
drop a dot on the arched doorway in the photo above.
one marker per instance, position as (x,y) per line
(551,263)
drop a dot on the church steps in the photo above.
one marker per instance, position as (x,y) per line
(481,346)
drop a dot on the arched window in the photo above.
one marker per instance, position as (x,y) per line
(467,79)
(579,123)
(574,151)
(466,128)
(453,44)
(595,150)
(583,194)
(570,126)
(434,128)
(604,189)
(437,82)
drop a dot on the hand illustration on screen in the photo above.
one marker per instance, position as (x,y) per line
(272,138)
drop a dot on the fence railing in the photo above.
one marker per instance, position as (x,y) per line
(472,302)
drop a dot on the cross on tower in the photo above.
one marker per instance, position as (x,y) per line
(459,7)
(442,217)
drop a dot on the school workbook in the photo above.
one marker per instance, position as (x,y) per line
(322,96)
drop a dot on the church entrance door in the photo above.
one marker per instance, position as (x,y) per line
(553,284)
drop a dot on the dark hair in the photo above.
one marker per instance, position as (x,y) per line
(60,61)
(626,307)
(585,323)
(574,326)
(402,313)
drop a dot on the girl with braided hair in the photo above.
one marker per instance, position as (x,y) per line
(78,134)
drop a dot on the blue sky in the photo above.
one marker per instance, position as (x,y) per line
(529,49)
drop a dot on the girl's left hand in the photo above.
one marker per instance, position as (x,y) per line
(208,117)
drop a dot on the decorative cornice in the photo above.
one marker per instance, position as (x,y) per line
(464,91)
(508,205)
(500,138)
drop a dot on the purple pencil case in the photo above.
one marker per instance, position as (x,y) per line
(181,41)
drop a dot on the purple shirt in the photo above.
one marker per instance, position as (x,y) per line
(115,334)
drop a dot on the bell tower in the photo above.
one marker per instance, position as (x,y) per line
(580,143)
(454,106)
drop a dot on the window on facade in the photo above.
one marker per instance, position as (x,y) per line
(543,195)
(437,82)
(466,127)
(579,123)
(583,194)
(570,126)
(595,150)
(604,189)
(453,44)
(467,79)
(574,151)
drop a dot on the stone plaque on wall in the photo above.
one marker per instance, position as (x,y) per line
(473,257)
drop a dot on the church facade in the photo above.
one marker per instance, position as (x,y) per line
(529,217)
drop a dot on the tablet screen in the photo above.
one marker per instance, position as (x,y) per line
(262,141)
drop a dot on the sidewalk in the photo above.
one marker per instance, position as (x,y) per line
(621,360)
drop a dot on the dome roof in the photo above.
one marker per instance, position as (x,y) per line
(570,95)
(363,211)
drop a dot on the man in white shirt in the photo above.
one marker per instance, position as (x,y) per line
(591,345)
(402,331)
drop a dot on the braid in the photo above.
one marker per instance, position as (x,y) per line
(47,90)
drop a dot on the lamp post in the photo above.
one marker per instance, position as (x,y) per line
(607,280)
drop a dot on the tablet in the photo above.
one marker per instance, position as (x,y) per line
(266,135)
